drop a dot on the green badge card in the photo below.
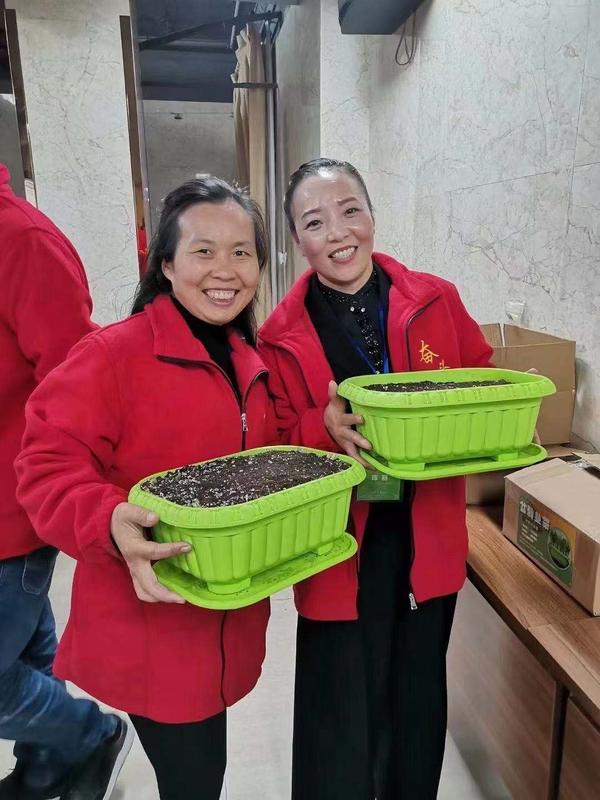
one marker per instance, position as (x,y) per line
(379,488)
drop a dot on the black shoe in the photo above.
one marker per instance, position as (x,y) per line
(13,788)
(96,777)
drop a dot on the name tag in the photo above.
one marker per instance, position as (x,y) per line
(379,488)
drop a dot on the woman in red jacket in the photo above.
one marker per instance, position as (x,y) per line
(177,382)
(370,704)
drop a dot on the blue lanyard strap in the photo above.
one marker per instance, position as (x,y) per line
(365,356)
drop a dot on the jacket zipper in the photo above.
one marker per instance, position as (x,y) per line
(411,594)
(244,419)
(244,415)
(241,401)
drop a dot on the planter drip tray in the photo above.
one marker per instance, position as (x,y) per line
(197,591)
(450,469)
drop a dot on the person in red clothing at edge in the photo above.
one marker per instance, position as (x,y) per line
(177,382)
(62,744)
(370,703)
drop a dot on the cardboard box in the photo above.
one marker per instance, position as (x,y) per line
(487,488)
(523,349)
(552,513)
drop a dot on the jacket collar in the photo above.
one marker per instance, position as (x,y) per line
(290,323)
(173,341)
(290,326)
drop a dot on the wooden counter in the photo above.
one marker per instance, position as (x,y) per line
(524,672)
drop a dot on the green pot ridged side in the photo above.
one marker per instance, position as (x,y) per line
(447,425)
(232,544)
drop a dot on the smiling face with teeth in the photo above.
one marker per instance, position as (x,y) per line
(334,229)
(215,270)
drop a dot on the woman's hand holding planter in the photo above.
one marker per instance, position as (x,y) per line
(339,425)
(127,530)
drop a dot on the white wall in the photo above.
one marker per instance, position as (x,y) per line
(483,157)
(299,106)
(183,139)
(74,87)
(508,168)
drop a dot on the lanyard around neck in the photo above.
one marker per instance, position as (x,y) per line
(361,351)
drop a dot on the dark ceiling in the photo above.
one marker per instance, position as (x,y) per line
(196,65)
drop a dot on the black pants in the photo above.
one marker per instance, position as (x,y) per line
(189,759)
(371,703)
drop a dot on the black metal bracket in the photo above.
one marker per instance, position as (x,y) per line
(158,42)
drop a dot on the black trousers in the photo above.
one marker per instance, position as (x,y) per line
(189,759)
(370,707)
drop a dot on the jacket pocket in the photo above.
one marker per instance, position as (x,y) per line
(38,570)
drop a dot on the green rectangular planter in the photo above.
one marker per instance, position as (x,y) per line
(410,431)
(233,544)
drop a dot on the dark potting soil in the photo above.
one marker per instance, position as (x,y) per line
(428,386)
(233,480)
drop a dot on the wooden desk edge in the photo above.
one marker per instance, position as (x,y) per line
(584,687)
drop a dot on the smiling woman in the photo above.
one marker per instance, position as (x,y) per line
(208,252)
(177,383)
(384,623)
(331,219)
(214,272)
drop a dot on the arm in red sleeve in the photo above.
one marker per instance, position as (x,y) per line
(73,422)
(49,302)
(298,421)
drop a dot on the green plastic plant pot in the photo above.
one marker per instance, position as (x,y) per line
(233,544)
(411,432)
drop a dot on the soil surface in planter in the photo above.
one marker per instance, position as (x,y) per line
(234,480)
(428,386)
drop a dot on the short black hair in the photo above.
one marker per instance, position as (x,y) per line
(313,168)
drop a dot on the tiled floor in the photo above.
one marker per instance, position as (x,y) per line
(259,726)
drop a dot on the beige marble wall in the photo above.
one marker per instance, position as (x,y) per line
(299,107)
(344,91)
(183,139)
(73,74)
(483,157)
(366,119)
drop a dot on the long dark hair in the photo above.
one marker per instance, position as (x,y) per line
(203,189)
(313,168)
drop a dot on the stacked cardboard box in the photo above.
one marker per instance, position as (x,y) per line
(523,349)
(552,513)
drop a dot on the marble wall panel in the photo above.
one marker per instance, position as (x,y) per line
(482,157)
(500,97)
(72,65)
(507,115)
(500,242)
(298,53)
(588,134)
(81,11)
(345,91)
(578,309)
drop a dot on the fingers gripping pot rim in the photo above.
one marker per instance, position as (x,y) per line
(234,545)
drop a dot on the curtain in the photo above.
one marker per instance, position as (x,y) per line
(250,119)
